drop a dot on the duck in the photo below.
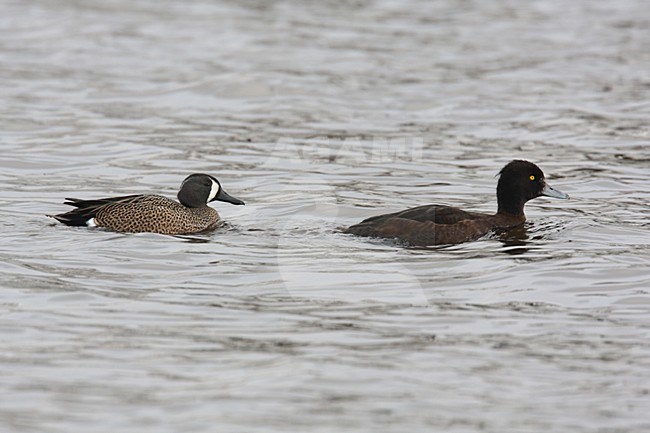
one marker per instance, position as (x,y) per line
(153,213)
(429,225)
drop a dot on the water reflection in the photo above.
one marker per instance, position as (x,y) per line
(325,113)
(514,240)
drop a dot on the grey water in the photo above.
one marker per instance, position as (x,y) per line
(320,114)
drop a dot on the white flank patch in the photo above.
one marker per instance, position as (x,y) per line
(91,223)
(213,191)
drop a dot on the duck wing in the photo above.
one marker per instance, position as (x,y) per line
(425,225)
(436,214)
(80,203)
(88,209)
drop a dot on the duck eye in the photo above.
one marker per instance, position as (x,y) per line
(532,177)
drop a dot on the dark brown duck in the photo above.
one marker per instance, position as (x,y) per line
(427,225)
(154,213)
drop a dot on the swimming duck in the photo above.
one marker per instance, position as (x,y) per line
(154,213)
(428,225)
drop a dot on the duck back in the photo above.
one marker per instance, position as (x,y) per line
(432,225)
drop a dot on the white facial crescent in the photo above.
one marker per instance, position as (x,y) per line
(213,191)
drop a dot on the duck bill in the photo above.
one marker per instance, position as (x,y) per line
(551,192)
(224,196)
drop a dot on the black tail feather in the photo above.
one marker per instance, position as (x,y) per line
(86,209)
(79,203)
(75,218)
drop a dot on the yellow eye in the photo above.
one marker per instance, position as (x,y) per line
(532,177)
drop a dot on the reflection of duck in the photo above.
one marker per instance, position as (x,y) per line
(519,182)
(514,240)
(153,213)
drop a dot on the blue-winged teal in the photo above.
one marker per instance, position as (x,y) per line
(153,213)
(519,182)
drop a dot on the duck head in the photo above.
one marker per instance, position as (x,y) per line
(519,182)
(198,189)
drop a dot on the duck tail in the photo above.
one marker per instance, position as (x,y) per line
(75,218)
(85,212)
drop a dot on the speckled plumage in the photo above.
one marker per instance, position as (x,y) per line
(153,213)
